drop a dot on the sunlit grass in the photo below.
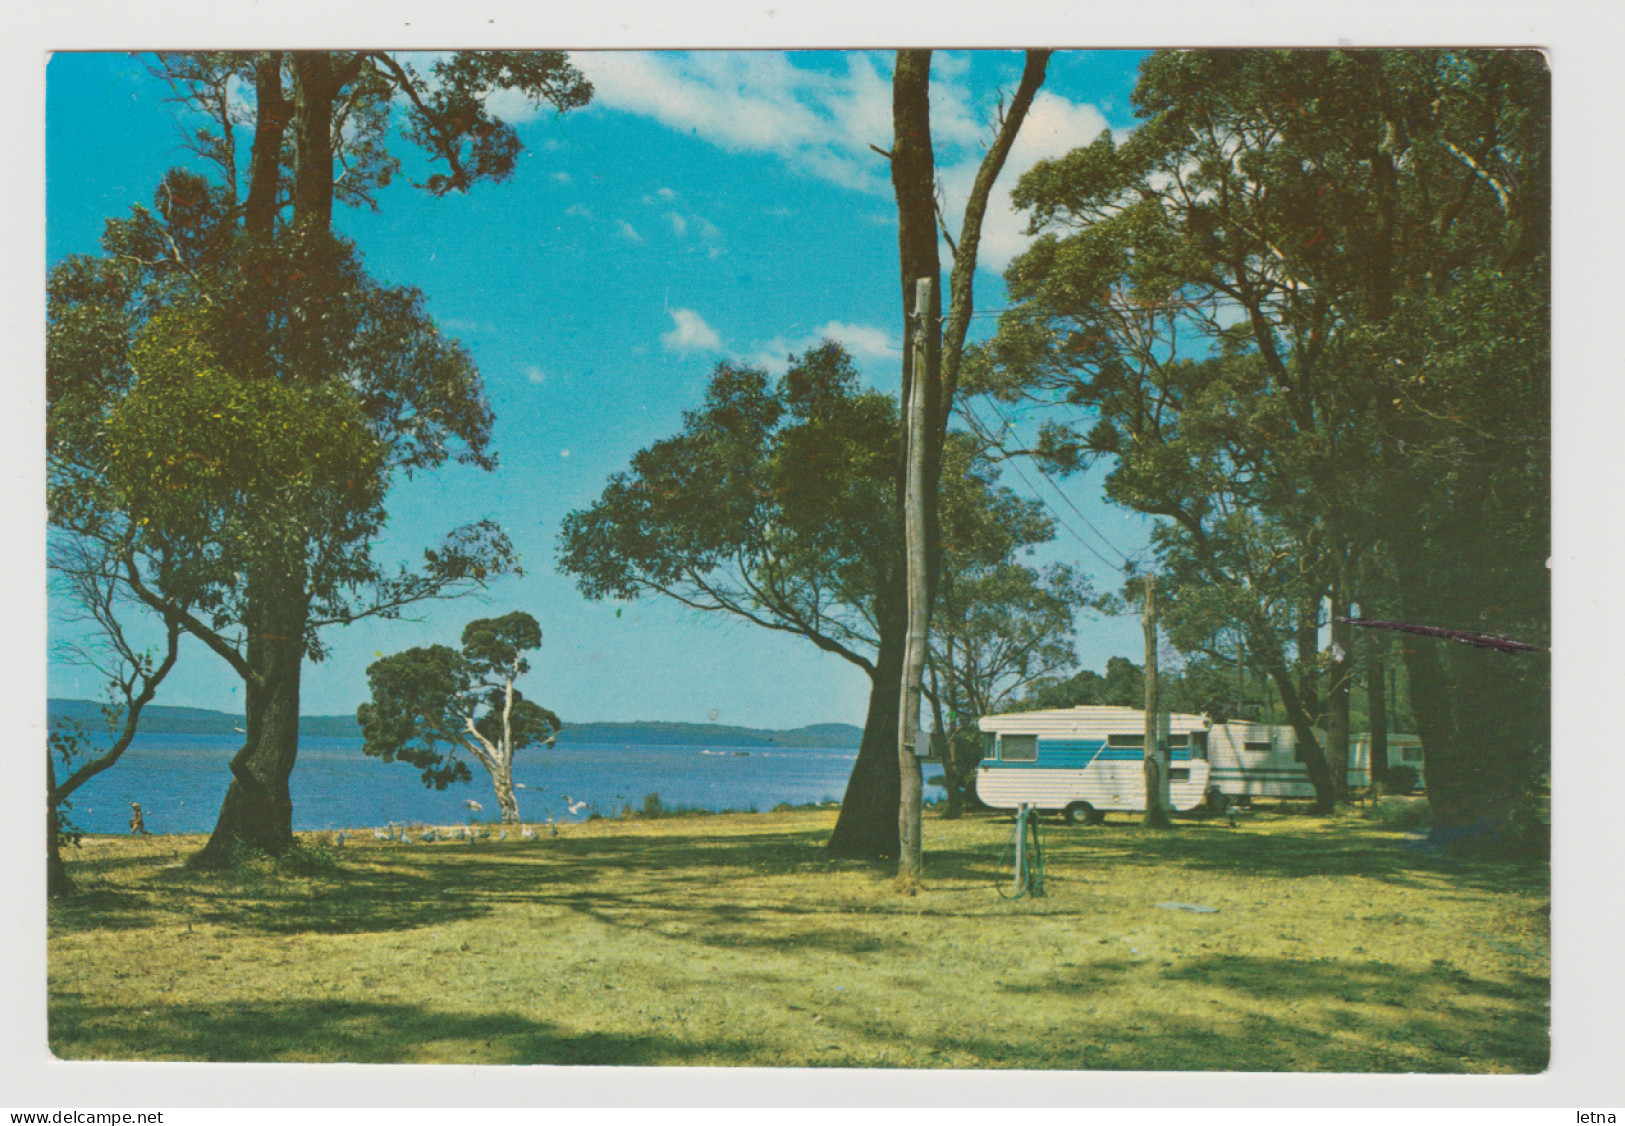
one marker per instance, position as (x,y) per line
(729,940)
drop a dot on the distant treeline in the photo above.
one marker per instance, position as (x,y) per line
(159,719)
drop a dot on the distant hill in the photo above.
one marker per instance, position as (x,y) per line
(159,719)
(824,735)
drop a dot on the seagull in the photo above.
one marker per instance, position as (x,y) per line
(577,807)
(520,786)
(554,829)
(459,833)
(429,836)
(383,834)
(473,805)
(340,841)
(525,833)
(502,836)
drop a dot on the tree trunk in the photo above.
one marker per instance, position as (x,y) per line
(314,91)
(257,813)
(867,826)
(1376,697)
(1341,681)
(1155,757)
(953,780)
(265,162)
(1307,641)
(57,881)
(502,783)
(1260,640)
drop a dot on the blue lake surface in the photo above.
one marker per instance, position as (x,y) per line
(180,781)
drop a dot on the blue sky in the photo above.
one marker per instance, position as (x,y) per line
(707,206)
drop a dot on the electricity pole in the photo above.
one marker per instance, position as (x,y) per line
(909,861)
(1156,755)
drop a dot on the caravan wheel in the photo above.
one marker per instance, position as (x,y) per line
(1217,802)
(1084,813)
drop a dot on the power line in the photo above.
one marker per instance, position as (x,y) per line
(1040,497)
(1050,481)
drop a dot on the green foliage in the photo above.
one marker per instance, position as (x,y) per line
(203,420)
(1302,311)
(1402,779)
(430,702)
(774,503)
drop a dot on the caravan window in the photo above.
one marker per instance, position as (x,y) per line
(1126,740)
(1018,748)
(1260,745)
(1411,754)
(990,745)
(1199,745)
(1181,740)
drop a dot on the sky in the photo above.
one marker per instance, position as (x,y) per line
(705,207)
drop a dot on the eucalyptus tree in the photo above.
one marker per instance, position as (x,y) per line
(231,395)
(776,504)
(1329,232)
(430,702)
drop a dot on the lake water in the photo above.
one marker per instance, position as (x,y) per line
(180,781)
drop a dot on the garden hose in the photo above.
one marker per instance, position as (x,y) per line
(1024,855)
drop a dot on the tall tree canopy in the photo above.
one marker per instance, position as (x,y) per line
(1353,245)
(230,395)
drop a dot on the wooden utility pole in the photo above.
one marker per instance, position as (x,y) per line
(1156,754)
(919,608)
(1341,682)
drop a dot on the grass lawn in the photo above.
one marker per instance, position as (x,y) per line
(729,940)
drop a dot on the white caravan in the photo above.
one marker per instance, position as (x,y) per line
(1248,760)
(1089,760)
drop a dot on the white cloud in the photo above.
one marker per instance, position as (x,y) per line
(679,225)
(822,122)
(560,177)
(1054,127)
(535,374)
(692,334)
(862,342)
(628,231)
(758,101)
(666,194)
(578,211)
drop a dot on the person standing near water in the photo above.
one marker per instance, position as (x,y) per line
(138,827)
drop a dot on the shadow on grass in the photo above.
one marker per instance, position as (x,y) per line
(1293,854)
(1284,1015)
(354,1032)
(1381,1008)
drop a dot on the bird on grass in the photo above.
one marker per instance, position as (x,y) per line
(553,829)
(429,836)
(503,835)
(339,840)
(526,834)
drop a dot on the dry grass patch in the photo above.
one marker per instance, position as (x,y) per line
(730,940)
